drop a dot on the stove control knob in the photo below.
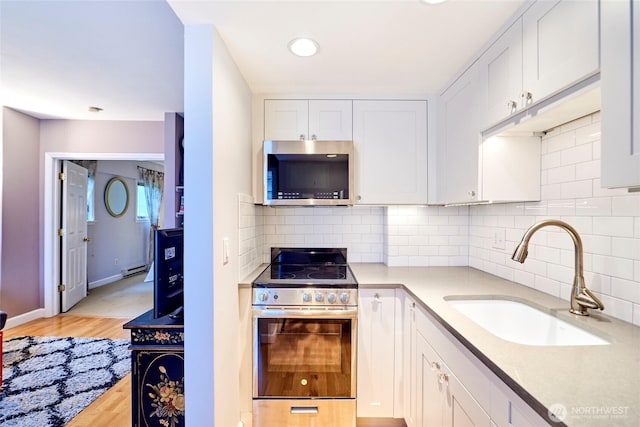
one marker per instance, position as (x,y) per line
(306,297)
(344,297)
(331,298)
(263,296)
(319,297)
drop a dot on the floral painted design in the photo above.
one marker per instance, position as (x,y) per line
(168,399)
(161,336)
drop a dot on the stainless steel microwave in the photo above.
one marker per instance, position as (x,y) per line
(308,173)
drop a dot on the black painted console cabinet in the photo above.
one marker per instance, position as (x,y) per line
(157,367)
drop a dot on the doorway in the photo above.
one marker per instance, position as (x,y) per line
(52,200)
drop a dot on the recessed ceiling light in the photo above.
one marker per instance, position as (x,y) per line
(303,47)
(433,1)
(95,109)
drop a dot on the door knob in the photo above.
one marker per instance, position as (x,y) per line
(86,239)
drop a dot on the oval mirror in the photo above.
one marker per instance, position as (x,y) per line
(116,197)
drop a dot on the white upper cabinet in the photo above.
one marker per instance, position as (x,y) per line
(295,119)
(552,46)
(501,75)
(560,45)
(390,141)
(459,139)
(620,84)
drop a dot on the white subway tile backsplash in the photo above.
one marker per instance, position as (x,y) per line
(588,170)
(613,226)
(561,174)
(612,266)
(547,285)
(576,189)
(625,289)
(578,154)
(626,205)
(561,142)
(600,206)
(561,208)
(625,248)
(618,308)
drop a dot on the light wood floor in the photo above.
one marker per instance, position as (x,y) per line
(111,409)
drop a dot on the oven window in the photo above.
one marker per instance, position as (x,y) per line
(304,357)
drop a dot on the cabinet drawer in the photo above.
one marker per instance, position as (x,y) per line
(304,413)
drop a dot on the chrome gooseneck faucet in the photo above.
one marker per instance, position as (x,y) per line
(581,297)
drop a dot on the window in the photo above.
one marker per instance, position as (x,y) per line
(91,213)
(141,205)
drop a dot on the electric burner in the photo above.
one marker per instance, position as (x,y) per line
(324,275)
(296,273)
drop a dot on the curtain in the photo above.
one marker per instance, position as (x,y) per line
(153,182)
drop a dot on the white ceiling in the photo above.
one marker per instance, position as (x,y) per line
(60,57)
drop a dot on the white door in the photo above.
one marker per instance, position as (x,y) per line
(74,234)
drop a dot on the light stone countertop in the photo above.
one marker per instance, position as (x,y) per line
(599,385)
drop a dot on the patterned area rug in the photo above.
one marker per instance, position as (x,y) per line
(49,380)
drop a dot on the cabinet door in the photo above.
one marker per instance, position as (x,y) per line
(390,139)
(330,119)
(508,410)
(409,367)
(560,45)
(620,88)
(286,119)
(430,391)
(461,409)
(376,347)
(501,75)
(460,138)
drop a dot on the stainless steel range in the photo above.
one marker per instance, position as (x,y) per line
(305,307)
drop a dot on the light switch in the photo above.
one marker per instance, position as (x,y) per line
(225,250)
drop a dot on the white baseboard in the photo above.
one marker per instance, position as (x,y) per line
(105,281)
(18,320)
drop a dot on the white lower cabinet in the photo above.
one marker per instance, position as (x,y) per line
(508,410)
(442,399)
(447,386)
(376,348)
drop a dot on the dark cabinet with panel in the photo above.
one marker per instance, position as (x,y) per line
(157,367)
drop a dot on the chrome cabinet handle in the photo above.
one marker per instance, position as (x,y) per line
(435,366)
(513,106)
(302,137)
(314,137)
(472,193)
(527,98)
(443,378)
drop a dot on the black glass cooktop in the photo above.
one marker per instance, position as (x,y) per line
(296,267)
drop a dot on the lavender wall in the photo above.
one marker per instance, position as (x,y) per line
(116,243)
(19,287)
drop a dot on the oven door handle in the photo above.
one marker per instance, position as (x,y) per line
(279,312)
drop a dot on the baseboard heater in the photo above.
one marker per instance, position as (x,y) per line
(134,270)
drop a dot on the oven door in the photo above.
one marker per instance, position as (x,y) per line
(304,353)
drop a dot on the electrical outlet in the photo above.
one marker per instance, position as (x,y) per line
(499,236)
